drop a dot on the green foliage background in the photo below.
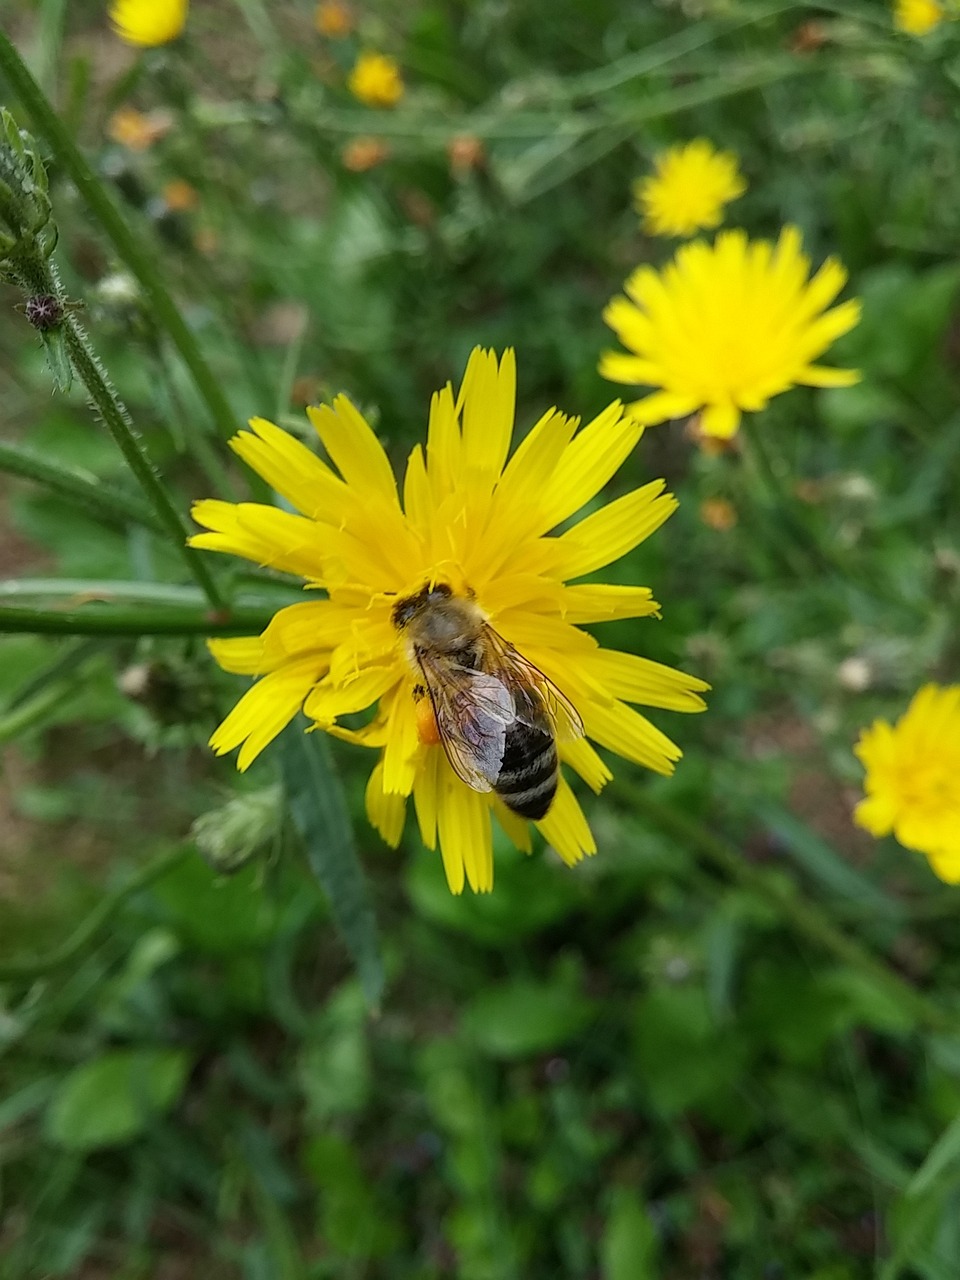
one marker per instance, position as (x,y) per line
(728,1047)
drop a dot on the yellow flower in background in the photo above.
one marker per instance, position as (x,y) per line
(148,22)
(473,534)
(917,17)
(375,80)
(725,327)
(333,19)
(688,189)
(913,778)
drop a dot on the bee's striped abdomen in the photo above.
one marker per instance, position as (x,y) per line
(529,772)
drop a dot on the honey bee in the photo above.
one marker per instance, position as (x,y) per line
(497,717)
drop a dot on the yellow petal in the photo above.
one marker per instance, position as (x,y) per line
(289,467)
(426,791)
(565,828)
(265,709)
(463,823)
(615,529)
(516,829)
(385,811)
(602,602)
(636,679)
(355,451)
(588,462)
(243,656)
(580,756)
(631,735)
(487,404)
(271,538)
(329,701)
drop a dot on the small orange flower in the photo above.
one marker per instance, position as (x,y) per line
(136,131)
(718,513)
(465,153)
(362,154)
(333,19)
(180,197)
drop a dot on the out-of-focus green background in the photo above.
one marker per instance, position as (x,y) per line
(660,1063)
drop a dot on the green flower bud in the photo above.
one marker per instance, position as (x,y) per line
(229,837)
(26,228)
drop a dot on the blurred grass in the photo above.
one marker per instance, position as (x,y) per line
(636,1068)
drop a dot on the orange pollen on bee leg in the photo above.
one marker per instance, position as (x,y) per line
(427,730)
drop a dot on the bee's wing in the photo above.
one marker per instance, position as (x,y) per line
(537,699)
(473,711)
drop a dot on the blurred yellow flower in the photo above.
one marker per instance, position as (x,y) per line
(148,22)
(913,778)
(375,80)
(474,527)
(917,17)
(333,19)
(725,327)
(688,189)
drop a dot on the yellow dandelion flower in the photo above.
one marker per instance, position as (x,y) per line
(375,80)
(917,17)
(688,189)
(468,553)
(725,327)
(333,19)
(913,778)
(148,22)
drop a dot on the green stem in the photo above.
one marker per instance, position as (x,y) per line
(108,590)
(800,913)
(100,500)
(117,420)
(104,620)
(27,968)
(130,249)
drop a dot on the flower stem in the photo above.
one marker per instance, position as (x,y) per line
(102,501)
(95,619)
(803,916)
(129,248)
(114,415)
(28,968)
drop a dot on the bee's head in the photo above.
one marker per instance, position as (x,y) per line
(407,608)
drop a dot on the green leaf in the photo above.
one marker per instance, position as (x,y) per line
(943,1155)
(112,1099)
(522,1018)
(319,813)
(628,1250)
(824,864)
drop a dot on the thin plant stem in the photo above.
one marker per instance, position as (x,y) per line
(115,417)
(74,591)
(28,968)
(802,915)
(128,246)
(103,501)
(140,620)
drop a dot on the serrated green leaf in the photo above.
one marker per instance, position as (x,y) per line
(319,813)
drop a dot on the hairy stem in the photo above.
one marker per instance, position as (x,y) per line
(130,249)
